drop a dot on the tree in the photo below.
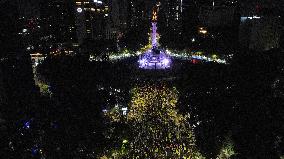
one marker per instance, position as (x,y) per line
(227,149)
(158,130)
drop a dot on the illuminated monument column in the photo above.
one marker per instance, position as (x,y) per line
(154,29)
(154,58)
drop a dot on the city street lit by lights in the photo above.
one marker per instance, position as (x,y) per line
(141,79)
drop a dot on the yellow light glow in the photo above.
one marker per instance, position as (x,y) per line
(203,31)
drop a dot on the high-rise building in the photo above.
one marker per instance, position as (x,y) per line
(171,13)
(28,8)
(136,29)
(260,25)
(15,64)
(282,32)
(2,90)
(28,23)
(190,20)
(9,38)
(218,26)
(119,13)
(260,33)
(117,22)
(140,12)
(58,26)
(170,22)
(218,13)
(92,17)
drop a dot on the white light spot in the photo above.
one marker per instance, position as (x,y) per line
(79,10)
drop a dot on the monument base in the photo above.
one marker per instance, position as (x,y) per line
(154,59)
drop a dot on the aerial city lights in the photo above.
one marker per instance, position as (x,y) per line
(129,79)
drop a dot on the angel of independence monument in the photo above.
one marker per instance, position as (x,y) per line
(154,58)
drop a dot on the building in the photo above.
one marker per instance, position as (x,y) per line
(218,13)
(217,27)
(2,90)
(57,25)
(170,23)
(47,26)
(28,23)
(260,33)
(140,12)
(16,76)
(136,31)
(170,13)
(91,19)
(219,16)
(261,28)
(189,15)
(119,13)
(117,23)
(9,38)
(28,8)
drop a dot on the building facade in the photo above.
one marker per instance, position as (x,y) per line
(28,8)
(171,13)
(260,33)
(119,13)
(261,28)
(170,23)
(2,90)
(58,26)
(92,18)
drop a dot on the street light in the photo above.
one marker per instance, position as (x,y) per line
(79,10)
(202,30)
(124,110)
